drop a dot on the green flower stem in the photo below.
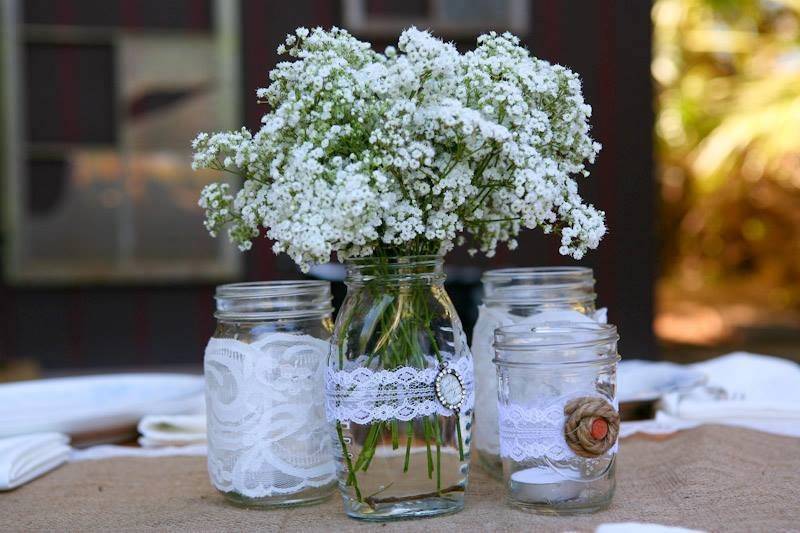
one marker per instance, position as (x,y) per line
(395,434)
(435,346)
(409,440)
(373,445)
(369,447)
(460,441)
(438,436)
(351,476)
(425,424)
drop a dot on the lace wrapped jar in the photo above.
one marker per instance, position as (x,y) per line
(558,415)
(268,443)
(399,391)
(521,296)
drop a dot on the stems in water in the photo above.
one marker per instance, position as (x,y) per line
(368,452)
(438,454)
(425,424)
(460,442)
(399,331)
(395,435)
(351,476)
(410,439)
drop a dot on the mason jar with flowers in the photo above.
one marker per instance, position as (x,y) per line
(388,160)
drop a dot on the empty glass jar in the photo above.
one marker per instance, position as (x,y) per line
(268,443)
(557,415)
(521,296)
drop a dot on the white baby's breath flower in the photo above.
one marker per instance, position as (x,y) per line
(406,151)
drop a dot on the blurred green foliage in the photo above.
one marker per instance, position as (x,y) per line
(727,74)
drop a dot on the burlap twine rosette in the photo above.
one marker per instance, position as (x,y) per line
(591,427)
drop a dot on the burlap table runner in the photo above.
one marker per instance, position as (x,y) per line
(714,478)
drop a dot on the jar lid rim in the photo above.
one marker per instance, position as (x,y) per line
(535,297)
(277,288)
(556,365)
(539,278)
(395,259)
(537,272)
(533,337)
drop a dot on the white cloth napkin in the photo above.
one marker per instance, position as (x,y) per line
(162,436)
(111,451)
(172,430)
(748,390)
(662,424)
(27,457)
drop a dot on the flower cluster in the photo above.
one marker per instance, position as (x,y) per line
(406,151)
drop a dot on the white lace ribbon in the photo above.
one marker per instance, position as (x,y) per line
(267,433)
(363,395)
(536,430)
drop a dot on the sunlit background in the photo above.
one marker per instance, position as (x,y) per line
(106,263)
(727,81)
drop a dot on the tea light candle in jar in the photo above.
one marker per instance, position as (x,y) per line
(542,485)
(557,417)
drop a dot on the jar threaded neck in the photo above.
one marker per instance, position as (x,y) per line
(427,269)
(273,300)
(539,285)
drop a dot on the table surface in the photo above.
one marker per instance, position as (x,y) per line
(714,478)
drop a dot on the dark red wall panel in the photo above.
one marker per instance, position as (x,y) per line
(607,42)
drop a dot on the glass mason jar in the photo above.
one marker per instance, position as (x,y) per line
(399,391)
(521,296)
(268,443)
(558,415)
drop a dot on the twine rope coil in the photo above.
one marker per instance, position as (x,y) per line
(582,417)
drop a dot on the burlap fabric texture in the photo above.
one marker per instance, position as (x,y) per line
(713,478)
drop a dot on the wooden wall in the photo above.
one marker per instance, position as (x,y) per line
(606,41)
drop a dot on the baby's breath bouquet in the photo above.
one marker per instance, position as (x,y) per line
(389,160)
(406,151)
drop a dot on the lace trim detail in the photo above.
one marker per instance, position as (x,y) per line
(535,431)
(363,395)
(267,433)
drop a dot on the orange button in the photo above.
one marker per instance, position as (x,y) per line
(599,428)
